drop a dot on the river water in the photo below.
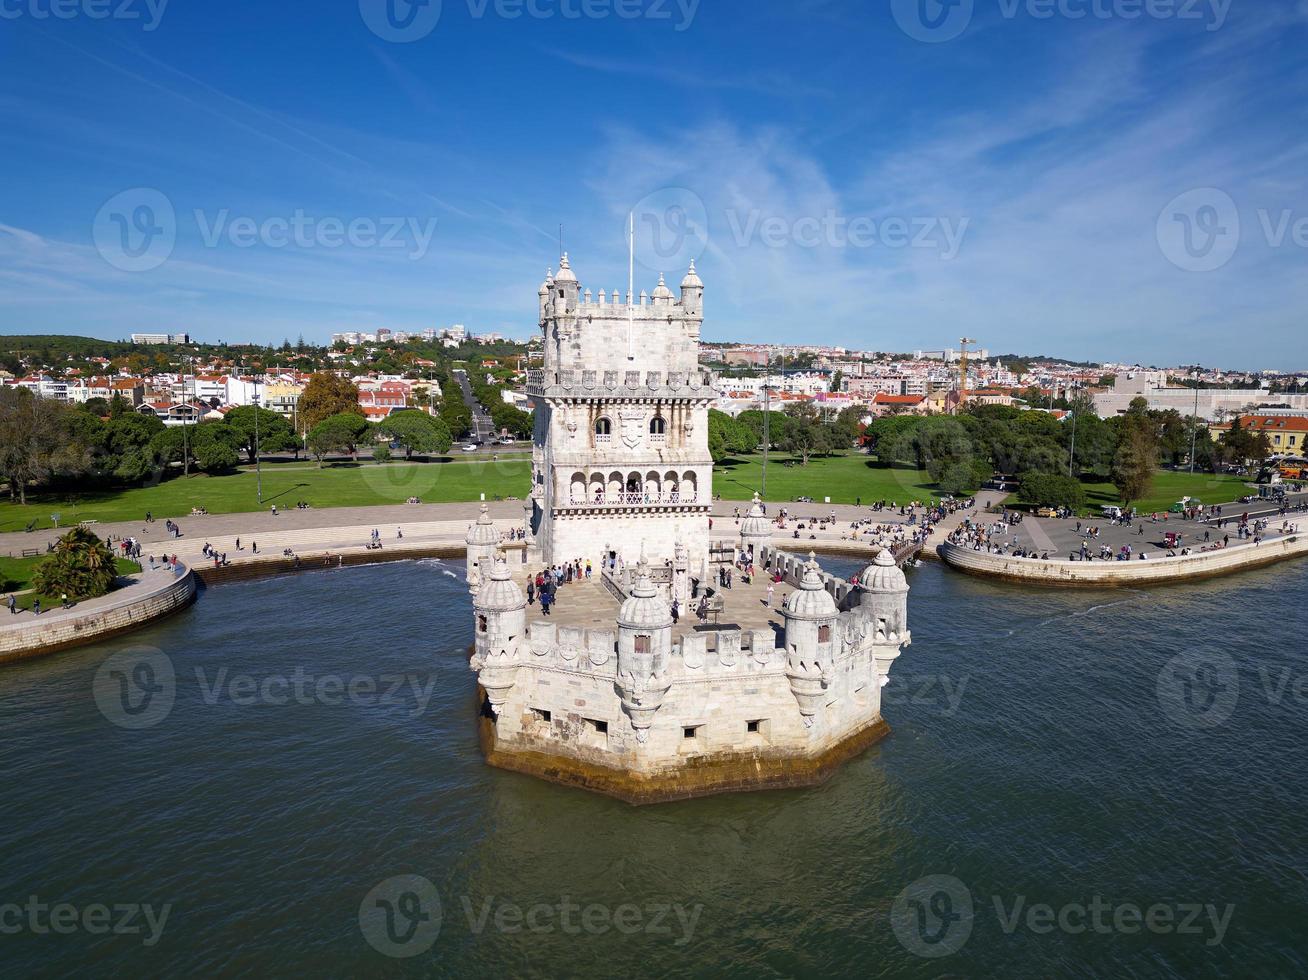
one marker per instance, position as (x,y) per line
(1060,796)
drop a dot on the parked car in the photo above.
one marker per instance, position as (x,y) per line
(470,447)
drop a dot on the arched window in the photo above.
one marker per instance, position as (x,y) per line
(603,431)
(481,624)
(658,427)
(824,633)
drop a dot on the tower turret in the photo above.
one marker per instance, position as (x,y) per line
(810,614)
(755,530)
(884,603)
(692,292)
(482,540)
(644,649)
(501,629)
(565,288)
(662,295)
(544,293)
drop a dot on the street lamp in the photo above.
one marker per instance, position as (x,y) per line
(258,473)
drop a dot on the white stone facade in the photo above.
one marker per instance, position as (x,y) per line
(621,467)
(620,459)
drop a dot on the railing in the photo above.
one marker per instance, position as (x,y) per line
(628,498)
(603,438)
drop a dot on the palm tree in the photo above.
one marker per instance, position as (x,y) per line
(81,565)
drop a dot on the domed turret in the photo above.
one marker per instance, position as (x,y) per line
(644,608)
(644,648)
(692,292)
(884,598)
(883,575)
(501,628)
(482,539)
(565,272)
(810,615)
(811,600)
(662,295)
(755,530)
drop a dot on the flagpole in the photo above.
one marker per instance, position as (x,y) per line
(631,285)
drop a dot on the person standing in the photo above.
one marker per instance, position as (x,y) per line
(13,605)
(531,590)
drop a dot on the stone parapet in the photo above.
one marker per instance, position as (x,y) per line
(1123,573)
(151,596)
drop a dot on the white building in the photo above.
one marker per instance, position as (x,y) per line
(649,706)
(621,422)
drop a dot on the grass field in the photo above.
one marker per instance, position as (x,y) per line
(16,574)
(344,485)
(1170,487)
(843,478)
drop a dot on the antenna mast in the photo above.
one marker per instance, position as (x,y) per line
(631,284)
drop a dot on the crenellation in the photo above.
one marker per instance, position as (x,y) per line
(622,482)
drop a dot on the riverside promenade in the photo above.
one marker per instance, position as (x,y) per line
(341,535)
(141,597)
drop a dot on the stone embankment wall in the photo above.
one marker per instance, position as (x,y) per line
(153,595)
(1124,573)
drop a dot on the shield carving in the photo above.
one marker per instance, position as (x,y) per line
(633,424)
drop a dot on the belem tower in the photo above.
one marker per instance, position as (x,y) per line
(774,687)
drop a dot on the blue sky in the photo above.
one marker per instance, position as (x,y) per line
(889,175)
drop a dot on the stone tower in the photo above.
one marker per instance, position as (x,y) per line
(620,457)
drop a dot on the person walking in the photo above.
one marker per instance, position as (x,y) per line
(531,590)
(13,605)
(676,612)
(546,600)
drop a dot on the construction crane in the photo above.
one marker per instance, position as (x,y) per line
(962,369)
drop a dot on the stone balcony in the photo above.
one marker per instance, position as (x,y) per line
(585,384)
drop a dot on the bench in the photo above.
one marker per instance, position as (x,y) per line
(87,523)
(31,552)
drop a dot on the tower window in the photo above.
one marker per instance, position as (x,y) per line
(752,727)
(642,643)
(658,426)
(690,731)
(824,633)
(481,624)
(603,431)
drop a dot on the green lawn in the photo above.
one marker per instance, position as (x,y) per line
(1169,487)
(344,485)
(842,478)
(16,574)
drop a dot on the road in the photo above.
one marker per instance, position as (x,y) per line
(483,430)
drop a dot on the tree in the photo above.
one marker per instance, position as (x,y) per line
(1051,490)
(381,453)
(416,432)
(336,434)
(1133,465)
(275,433)
(34,441)
(127,441)
(325,395)
(81,566)
(727,437)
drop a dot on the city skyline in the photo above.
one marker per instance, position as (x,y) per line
(1101,188)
